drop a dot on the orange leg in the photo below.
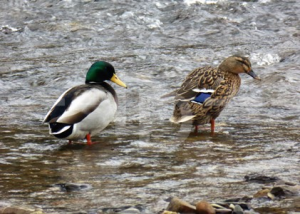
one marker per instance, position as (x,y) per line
(196,129)
(212,127)
(70,142)
(89,141)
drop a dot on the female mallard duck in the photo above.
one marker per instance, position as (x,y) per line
(85,110)
(205,91)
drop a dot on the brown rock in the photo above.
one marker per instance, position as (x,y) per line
(19,210)
(203,207)
(261,193)
(180,206)
(284,191)
(169,212)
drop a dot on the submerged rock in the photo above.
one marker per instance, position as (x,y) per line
(225,208)
(284,191)
(231,204)
(19,210)
(70,187)
(115,209)
(130,210)
(237,209)
(139,208)
(262,179)
(244,199)
(243,202)
(278,192)
(6,29)
(168,212)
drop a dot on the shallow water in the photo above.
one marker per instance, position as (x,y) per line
(47,47)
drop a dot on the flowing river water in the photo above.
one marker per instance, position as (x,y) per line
(46,46)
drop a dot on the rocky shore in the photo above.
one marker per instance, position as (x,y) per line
(272,188)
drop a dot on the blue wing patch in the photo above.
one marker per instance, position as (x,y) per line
(201,97)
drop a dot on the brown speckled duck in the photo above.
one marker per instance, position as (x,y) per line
(206,91)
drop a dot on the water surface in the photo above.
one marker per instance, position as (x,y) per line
(141,158)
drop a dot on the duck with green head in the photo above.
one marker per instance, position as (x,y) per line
(85,110)
(206,91)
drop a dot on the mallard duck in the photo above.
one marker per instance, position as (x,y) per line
(85,110)
(206,91)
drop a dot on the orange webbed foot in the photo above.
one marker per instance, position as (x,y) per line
(89,140)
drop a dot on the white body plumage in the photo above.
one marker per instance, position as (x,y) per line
(82,110)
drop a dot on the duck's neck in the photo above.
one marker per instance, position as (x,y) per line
(107,87)
(234,81)
(110,89)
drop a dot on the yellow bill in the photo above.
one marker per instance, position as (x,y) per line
(116,80)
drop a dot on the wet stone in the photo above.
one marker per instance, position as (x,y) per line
(285,191)
(278,192)
(203,207)
(282,182)
(230,205)
(180,206)
(238,210)
(70,187)
(131,210)
(243,202)
(112,210)
(244,199)
(262,179)
(139,208)
(244,206)
(8,29)
(161,205)
(168,212)
(235,205)
(223,211)
(262,193)
(19,210)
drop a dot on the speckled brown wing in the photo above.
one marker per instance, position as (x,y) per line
(200,78)
(213,106)
(206,77)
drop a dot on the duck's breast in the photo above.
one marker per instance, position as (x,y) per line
(97,120)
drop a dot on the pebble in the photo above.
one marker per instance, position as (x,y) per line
(262,193)
(203,207)
(168,212)
(180,206)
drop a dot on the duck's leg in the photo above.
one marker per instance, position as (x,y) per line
(70,142)
(88,139)
(196,129)
(212,127)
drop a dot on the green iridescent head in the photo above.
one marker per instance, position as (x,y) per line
(101,71)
